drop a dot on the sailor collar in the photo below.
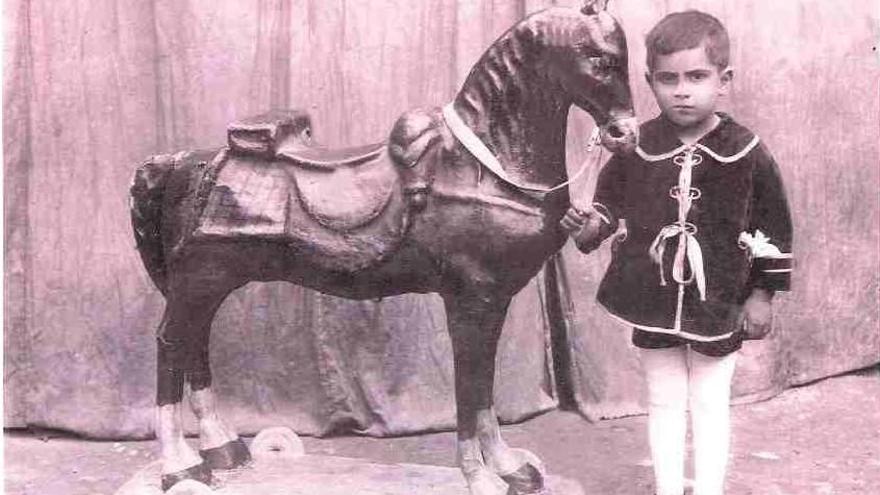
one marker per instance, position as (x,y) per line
(726,143)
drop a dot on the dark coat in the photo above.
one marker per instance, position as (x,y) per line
(737,219)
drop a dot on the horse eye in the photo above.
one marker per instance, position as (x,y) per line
(600,63)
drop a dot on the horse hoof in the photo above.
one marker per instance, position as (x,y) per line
(230,455)
(189,487)
(277,443)
(529,457)
(528,479)
(200,473)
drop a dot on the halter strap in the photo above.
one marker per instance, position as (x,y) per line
(484,155)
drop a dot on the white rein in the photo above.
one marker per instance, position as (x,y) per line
(484,155)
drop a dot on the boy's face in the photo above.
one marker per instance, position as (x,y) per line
(687,86)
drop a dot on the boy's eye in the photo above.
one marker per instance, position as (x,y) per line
(698,76)
(665,78)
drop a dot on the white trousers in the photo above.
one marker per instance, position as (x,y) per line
(679,378)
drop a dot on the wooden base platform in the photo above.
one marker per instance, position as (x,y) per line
(325,475)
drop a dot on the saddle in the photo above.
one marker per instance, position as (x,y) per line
(342,189)
(343,209)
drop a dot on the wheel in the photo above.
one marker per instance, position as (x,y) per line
(189,487)
(276,443)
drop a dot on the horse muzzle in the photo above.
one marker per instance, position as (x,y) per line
(620,135)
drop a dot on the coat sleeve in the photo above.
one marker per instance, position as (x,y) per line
(769,236)
(610,189)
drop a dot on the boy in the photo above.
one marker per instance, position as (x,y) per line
(706,245)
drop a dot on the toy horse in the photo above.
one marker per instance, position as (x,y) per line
(464,201)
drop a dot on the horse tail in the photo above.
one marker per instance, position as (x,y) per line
(147,195)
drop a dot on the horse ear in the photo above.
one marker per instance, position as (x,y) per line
(593,7)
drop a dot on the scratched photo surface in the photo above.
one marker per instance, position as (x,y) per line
(92,89)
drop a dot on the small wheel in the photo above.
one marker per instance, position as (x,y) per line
(278,442)
(189,487)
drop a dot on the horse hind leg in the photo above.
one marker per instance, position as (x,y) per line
(475,321)
(520,469)
(182,356)
(179,461)
(220,446)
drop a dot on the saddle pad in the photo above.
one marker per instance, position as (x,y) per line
(341,220)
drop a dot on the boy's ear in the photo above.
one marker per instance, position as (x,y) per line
(726,77)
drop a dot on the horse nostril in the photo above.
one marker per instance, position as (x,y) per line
(615,132)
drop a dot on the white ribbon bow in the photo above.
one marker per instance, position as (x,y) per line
(758,245)
(688,248)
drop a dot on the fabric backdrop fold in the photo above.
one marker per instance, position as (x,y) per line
(93,87)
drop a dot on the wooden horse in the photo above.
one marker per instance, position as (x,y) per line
(464,201)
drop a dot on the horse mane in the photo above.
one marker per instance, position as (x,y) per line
(513,65)
(512,85)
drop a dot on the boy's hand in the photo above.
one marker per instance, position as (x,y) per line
(573,221)
(586,228)
(758,314)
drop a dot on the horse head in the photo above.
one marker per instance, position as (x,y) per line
(517,97)
(587,55)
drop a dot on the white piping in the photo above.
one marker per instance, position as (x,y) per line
(780,256)
(732,158)
(656,158)
(723,159)
(670,331)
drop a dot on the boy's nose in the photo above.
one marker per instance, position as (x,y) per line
(682,90)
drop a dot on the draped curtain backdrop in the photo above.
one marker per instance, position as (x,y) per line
(93,87)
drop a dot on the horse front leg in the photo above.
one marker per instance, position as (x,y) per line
(475,320)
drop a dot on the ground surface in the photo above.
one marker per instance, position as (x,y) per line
(819,439)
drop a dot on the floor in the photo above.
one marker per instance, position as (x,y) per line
(821,439)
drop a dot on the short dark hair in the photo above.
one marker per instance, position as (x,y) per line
(686,30)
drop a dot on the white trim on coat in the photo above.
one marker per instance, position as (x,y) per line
(723,159)
(670,331)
